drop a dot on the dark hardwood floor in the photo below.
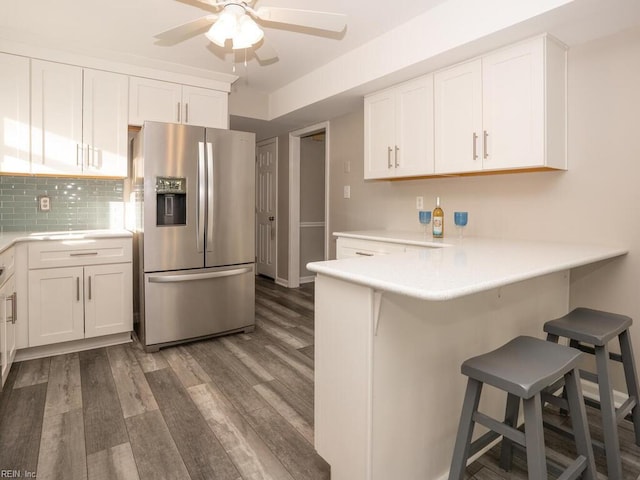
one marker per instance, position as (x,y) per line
(235,408)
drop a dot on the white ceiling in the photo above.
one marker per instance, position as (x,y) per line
(117,27)
(123,30)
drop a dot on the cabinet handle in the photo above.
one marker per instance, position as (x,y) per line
(484,145)
(178,112)
(389,157)
(475,149)
(186,113)
(82,254)
(396,154)
(78,156)
(13,300)
(77,289)
(364,254)
(89,287)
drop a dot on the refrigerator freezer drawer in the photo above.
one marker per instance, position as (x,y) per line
(197,303)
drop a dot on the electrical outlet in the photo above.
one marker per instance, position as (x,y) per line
(419,203)
(347,191)
(44,203)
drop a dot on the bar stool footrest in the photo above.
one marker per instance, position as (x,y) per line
(574,470)
(625,409)
(566,432)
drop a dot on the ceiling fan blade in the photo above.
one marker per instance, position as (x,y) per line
(265,53)
(186,30)
(333,22)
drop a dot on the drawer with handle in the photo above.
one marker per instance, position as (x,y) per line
(69,253)
(349,248)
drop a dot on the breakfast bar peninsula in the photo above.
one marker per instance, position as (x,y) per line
(391,332)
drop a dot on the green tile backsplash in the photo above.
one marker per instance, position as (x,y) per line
(76,204)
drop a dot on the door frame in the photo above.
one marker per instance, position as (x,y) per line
(262,143)
(294,198)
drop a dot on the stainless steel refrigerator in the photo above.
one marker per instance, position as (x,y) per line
(194,196)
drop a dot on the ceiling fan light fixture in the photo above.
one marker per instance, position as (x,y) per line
(247,33)
(224,28)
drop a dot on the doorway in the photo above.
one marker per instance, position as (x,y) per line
(266,203)
(308,200)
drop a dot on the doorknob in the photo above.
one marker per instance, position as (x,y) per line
(271,219)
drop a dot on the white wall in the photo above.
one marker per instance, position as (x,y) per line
(596,200)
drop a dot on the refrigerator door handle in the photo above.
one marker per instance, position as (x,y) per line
(210,193)
(199,276)
(202,189)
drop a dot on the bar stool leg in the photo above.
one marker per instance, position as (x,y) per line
(534,438)
(631,376)
(579,422)
(465,429)
(607,407)
(511,419)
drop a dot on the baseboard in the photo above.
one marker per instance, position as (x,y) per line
(590,390)
(71,347)
(309,279)
(282,282)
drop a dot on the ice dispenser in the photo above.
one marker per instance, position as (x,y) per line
(171,201)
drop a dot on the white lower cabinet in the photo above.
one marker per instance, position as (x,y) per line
(355,247)
(81,301)
(8,319)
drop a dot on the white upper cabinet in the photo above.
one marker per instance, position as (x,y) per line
(76,130)
(14,114)
(159,101)
(458,118)
(56,118)
(504,111)
(104,123)
(399,130)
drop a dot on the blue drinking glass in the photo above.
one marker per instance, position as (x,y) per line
(425,218)
(460,219)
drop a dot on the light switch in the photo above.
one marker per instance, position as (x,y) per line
(44,203)
(347,191)
(419,203)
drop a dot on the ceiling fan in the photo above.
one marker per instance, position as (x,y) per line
(237,22)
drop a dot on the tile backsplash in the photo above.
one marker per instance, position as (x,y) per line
(76,203)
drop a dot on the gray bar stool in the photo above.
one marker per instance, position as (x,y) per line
(523,368)
(590,331)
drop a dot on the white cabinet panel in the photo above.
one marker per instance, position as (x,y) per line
(14,114)
(8,311)
(56,309)
(56,118)
(154,100)
(205,107)
(105,110)
(108,301)
(458,118)
(398,139)
(159,101)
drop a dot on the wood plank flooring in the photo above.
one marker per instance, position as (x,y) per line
(233,408)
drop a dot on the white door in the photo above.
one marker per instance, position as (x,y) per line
(108,300)
(205,107)
(56,118)
(266,200)
(513,107)
(458,118)
(14,114)
(56,305)
(8,327)
(105,118)
(154,100)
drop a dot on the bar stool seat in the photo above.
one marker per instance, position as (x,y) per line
(522,368)
(591,331)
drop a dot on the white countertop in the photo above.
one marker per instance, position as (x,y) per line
(10,238)
(454,268)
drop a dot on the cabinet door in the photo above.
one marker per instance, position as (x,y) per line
(105,111)
(205,107)
(108,299)
(8,326)
(56,118)
(14,112)
(154,100)
(379,135)
(513,107)
(56,309)
(458,118)
(414,127)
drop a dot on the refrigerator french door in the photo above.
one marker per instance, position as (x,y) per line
(195,235)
